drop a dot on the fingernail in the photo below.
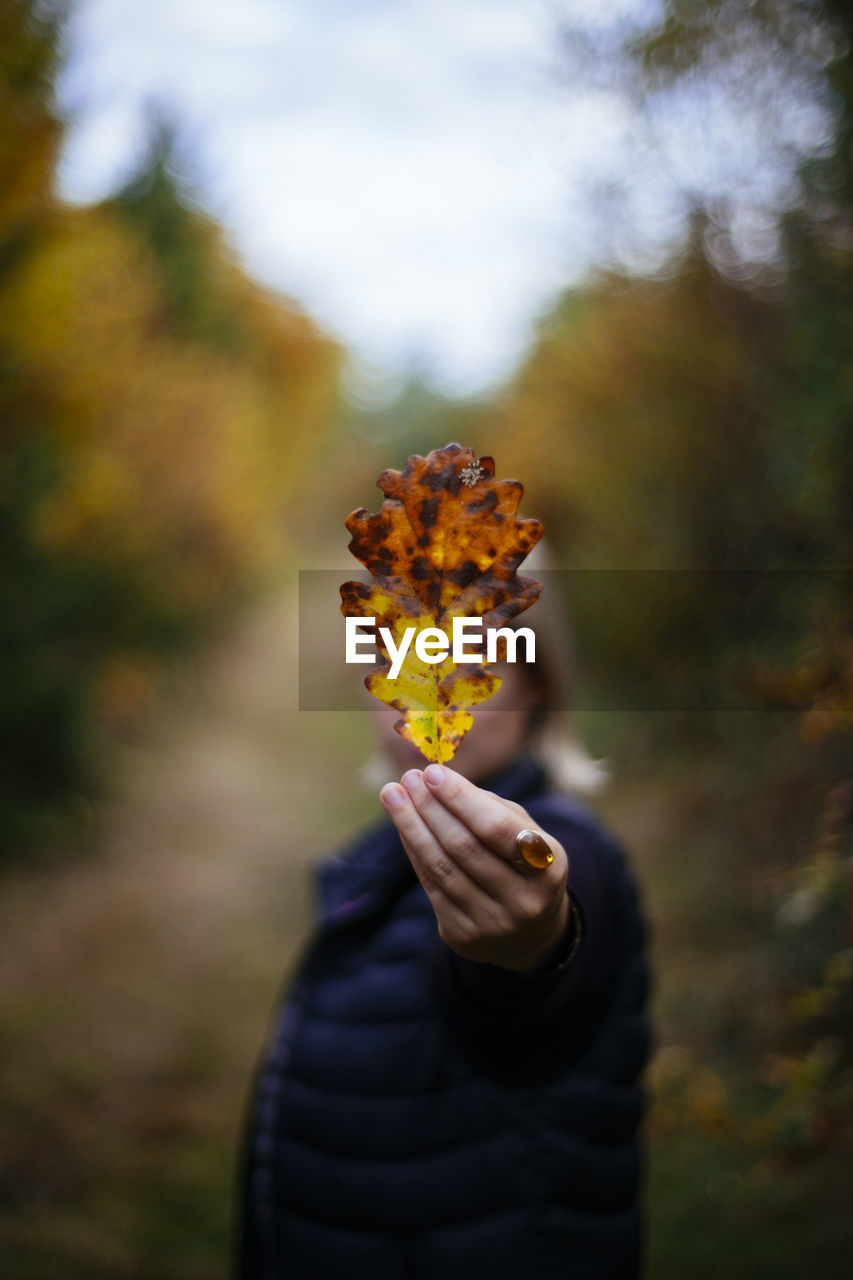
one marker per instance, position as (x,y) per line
(434,775)
(412,779)
(392,795)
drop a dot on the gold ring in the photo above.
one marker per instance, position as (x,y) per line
(532,851)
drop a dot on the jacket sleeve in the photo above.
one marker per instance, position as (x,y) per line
(533,1021)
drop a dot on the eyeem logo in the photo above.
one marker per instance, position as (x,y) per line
(433,645)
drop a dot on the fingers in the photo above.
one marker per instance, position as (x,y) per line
(494,821)
(438,871)
(465,910)
(456,838)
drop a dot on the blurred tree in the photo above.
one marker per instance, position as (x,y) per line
(159,412)
(699,419)
(30,131)
(809,278)
(39,712)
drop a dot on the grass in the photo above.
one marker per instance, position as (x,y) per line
(716,1209)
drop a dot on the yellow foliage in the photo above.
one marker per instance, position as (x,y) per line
(164,449)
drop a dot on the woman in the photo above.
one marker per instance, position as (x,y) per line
(452,1087)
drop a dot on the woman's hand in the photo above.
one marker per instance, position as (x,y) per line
(461,842)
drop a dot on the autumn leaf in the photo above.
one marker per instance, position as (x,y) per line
(447,543)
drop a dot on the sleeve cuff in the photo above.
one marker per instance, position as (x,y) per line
(493,990)
(570,945)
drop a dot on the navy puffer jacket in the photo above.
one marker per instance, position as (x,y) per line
(421,1115)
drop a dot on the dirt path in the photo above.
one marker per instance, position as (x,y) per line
(137,983)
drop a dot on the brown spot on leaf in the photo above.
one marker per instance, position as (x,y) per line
(464,574)
(487,503)
(429,512)
(421,569)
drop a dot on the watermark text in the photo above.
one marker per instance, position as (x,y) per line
(432,644)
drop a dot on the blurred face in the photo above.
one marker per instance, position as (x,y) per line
(493,741)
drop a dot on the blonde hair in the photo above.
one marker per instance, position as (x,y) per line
(552,737)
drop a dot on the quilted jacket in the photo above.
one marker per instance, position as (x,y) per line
(421,1115)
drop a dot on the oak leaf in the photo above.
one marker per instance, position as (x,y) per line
(446,543)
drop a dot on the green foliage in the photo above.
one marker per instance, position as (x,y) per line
(29,129)
(811,1074)
(198,294)
(158,412)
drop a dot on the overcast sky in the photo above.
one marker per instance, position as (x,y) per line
(415,172)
